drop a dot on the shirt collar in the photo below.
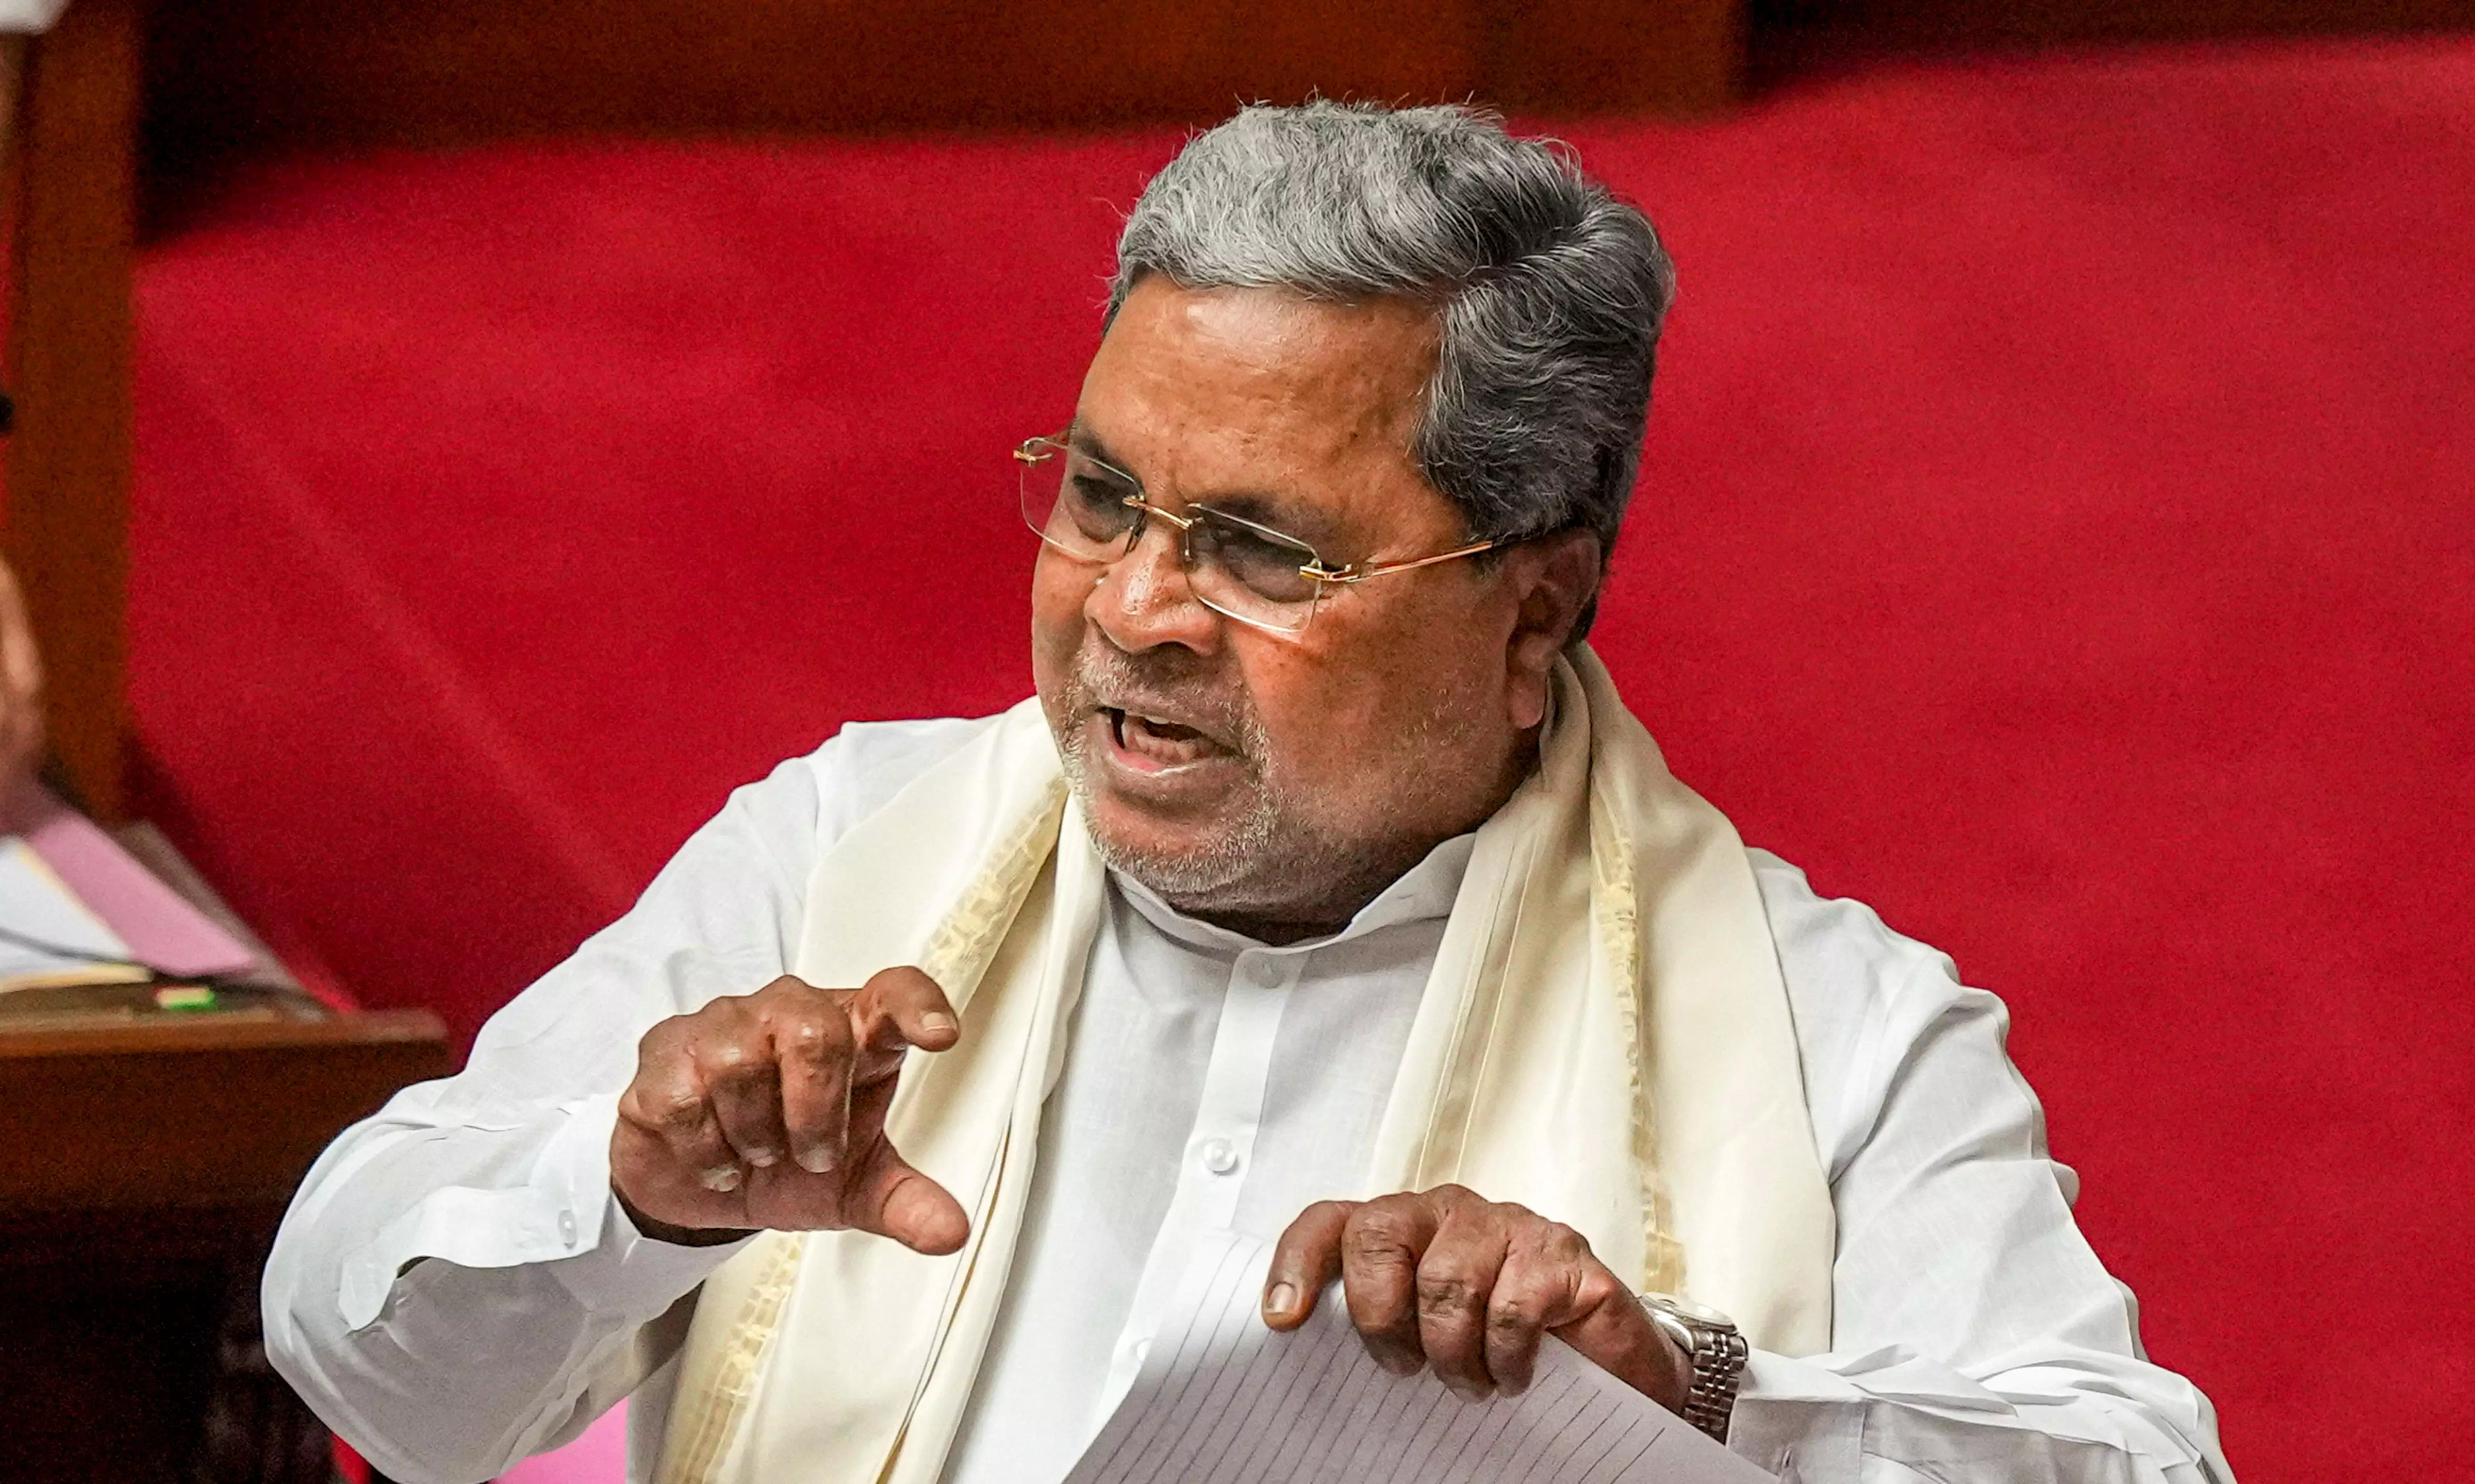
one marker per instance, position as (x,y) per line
(1424,893)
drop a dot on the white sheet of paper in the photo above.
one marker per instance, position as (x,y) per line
(1223,1399)
(35,903)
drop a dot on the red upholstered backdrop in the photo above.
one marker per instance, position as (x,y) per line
(2057,530)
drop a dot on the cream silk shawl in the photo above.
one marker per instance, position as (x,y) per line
(1604,1039)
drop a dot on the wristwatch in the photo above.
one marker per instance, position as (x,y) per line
(1710,1340)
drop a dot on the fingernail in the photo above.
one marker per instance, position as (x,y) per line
(725,1178)
(937,1020)
(1282,1298)
(817,1161)
(763,1158)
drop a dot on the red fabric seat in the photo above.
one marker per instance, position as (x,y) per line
(2056,531)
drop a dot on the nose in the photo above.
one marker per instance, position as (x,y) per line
(1143,599)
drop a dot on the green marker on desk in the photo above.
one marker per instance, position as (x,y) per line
(185,997)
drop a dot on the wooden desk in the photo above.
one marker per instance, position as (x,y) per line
(143,1168)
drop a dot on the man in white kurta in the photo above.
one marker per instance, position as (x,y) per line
(475,1272)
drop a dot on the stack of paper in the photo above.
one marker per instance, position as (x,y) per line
(1224,1400)
(65,884)
(36,905)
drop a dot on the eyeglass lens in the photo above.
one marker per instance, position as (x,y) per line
(1081,508)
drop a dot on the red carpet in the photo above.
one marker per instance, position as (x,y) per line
(2058,531)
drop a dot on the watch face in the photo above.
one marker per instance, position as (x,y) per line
(1698,1313)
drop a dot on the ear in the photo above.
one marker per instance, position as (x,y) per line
(1553,580)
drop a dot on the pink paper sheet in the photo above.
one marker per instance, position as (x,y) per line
(159,925)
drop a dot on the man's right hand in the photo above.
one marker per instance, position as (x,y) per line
(767,1110)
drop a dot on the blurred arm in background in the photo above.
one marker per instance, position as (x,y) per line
(21,700)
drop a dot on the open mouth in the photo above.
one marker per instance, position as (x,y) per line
(1154,740)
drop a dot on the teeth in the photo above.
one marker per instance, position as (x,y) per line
(1164,742)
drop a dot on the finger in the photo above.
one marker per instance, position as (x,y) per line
(1554,1278)
(1456,1278)
(893,1200)
(1611,1329)
(735,1058)
(1380,1248)
(897,1009)
(667,1102)
(1536,1290)
(813,1058)
(1305,1261)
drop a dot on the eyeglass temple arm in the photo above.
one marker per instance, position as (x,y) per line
(1357,573)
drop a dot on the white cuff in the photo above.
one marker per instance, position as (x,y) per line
(564,1216)
(613,1267)
(627,1271)
(1792,1414)
(1830,1412)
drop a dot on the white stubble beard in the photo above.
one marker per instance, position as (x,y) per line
(1244,866)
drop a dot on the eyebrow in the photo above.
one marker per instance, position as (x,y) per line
(1271,511)
(1087,443)
(1263,507)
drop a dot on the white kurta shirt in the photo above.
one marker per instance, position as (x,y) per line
(456,1287)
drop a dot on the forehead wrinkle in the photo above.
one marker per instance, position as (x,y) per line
(1262,392)
(1281,342)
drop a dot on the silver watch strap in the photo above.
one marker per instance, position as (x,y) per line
(1718,1353)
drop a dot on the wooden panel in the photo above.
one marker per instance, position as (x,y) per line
(134,1355)
(1883,25)
(431,71)
(68,367)
(246,73)
(1571,57)
(194,1113)
(142,1171)
(106,1375)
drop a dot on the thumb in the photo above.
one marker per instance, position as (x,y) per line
(893,1200)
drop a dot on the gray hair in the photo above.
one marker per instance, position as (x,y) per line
(1550,291)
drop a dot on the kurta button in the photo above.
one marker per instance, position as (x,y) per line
(567,1228)
(1220,1156)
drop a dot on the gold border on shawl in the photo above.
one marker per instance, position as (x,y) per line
(1618,909)
(918,1450)
(727,1402)
(971,934)
(1617,953)
(968,937)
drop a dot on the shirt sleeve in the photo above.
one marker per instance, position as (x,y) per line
(454,1286)
(1975,1333)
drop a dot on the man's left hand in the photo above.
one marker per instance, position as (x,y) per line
(1450,1279)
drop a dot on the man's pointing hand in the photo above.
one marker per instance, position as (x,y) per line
(767,1110)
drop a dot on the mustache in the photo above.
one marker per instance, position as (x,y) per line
(1165,686)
